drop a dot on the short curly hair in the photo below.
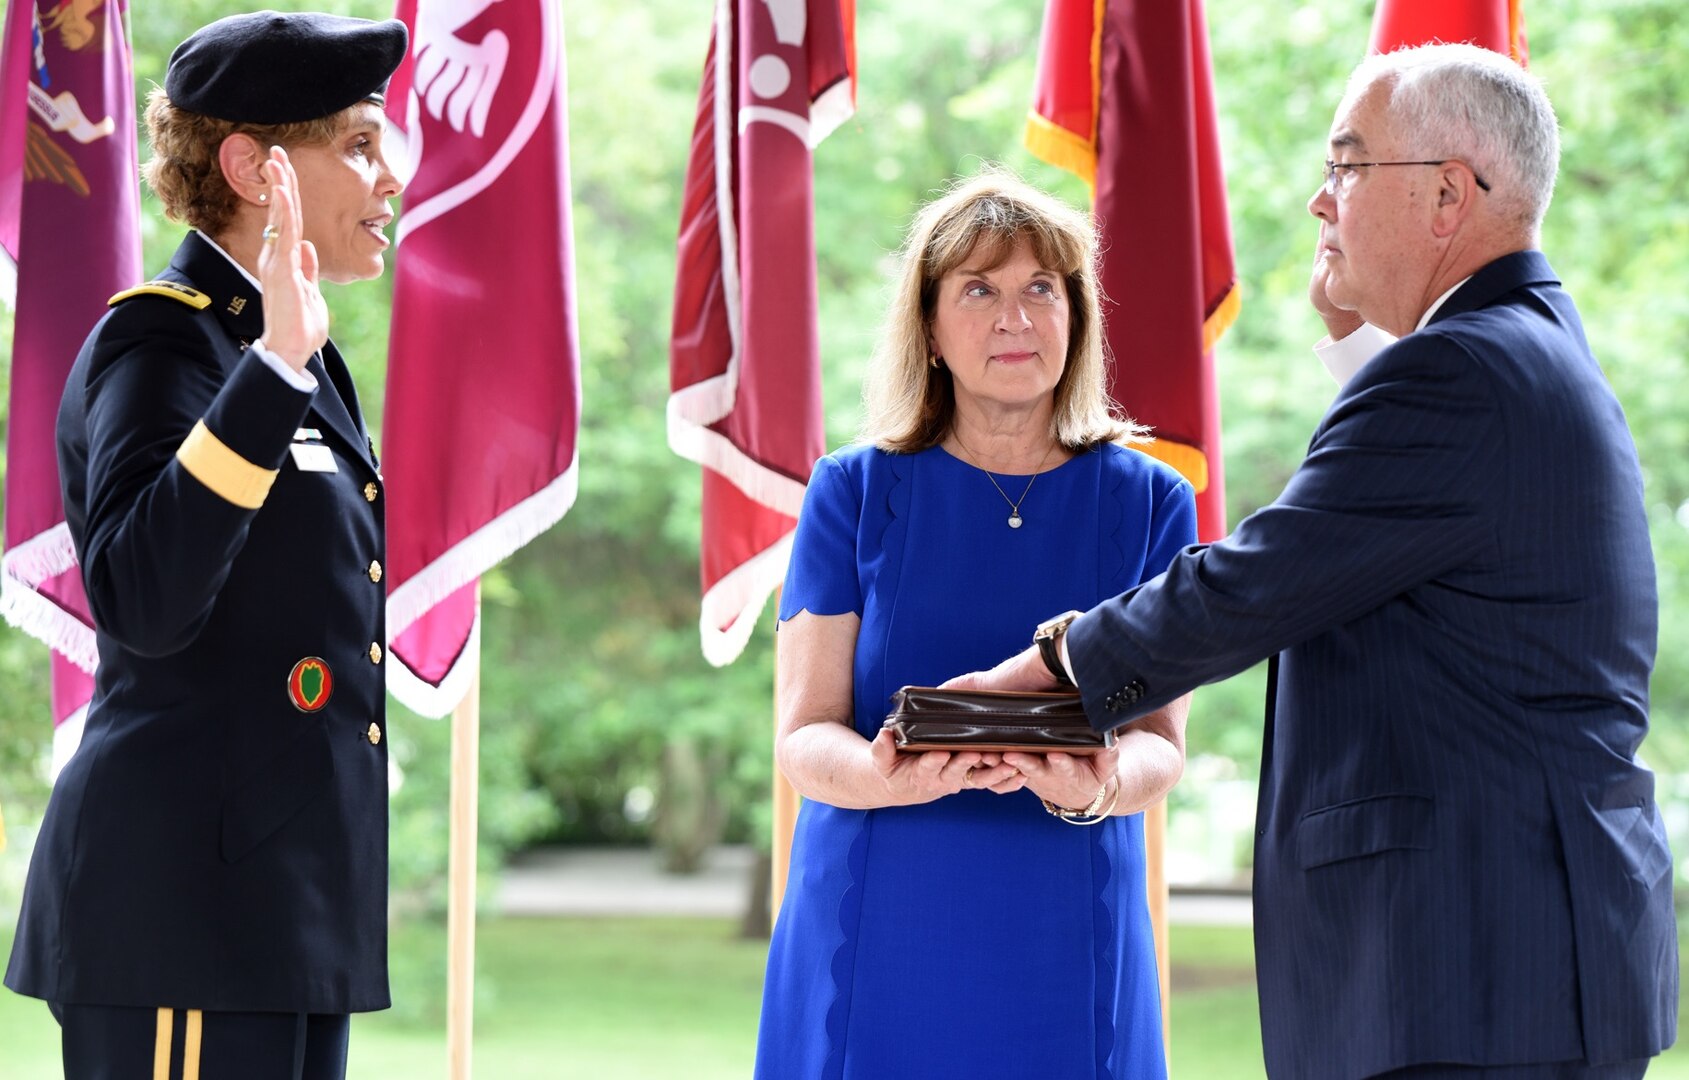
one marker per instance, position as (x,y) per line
(184,172)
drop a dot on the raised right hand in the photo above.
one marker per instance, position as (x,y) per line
(295,315)
(1339,322)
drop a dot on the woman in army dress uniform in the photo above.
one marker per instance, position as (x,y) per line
(209,889)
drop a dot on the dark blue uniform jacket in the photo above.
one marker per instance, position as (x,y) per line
(211,845)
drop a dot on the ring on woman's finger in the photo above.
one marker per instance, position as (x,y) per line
(270,234)
(968,777)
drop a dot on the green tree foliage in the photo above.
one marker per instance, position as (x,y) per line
(590,647)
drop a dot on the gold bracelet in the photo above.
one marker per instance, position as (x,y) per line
(1095,814)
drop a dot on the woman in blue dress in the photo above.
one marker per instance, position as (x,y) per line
(943,916)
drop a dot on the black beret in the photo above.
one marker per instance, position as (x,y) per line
(267,67)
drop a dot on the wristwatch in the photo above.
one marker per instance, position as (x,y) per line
(1047,637)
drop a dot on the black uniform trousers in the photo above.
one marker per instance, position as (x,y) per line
(109,1042)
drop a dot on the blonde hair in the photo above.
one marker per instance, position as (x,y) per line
(911,405)
(184,171)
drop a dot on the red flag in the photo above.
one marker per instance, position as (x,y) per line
(69,212)
(483,385)
(1124,98)
(744,357)
(1497,25)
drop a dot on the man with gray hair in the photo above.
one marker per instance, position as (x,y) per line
(1460,869)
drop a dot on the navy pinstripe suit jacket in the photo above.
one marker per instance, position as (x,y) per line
(1458,857)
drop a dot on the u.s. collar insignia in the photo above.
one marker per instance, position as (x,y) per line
(310,684)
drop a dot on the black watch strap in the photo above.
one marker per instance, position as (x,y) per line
(1052,660)
(1047,637)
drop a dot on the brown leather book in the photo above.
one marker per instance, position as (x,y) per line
(927,718)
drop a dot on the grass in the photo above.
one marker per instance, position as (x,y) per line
(590,998)
(557,999)
(629,999)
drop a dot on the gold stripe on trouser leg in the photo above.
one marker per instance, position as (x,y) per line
(161,1046)
(190,1045)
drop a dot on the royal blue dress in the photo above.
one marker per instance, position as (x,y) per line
(975,936)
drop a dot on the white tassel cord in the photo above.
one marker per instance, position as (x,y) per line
(23,570)
(481,550)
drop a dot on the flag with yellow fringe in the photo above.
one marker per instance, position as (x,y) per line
(1124,98)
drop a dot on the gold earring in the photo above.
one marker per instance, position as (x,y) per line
(932,361)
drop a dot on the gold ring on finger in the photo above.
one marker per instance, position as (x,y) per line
(270,234)
(968,777)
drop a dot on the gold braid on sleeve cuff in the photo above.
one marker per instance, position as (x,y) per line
(225,472)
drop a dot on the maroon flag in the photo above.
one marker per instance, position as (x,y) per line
(1497,25)
(483,389)
(69,212)
(744,357)
(1125,98)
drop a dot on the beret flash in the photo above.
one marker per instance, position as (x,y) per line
(269,67)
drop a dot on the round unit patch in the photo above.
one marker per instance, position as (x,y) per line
(309,684)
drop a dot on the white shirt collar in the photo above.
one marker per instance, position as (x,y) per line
(1437,303)
(1344,359)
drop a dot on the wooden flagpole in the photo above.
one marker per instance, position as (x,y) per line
(460,903)
(1155,867)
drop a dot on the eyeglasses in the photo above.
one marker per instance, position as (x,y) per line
(1331,168)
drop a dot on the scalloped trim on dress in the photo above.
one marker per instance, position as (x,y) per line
(843,964)
(1105,996)
(894,536)
(1111,516)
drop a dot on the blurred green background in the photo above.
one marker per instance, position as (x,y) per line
(603,725)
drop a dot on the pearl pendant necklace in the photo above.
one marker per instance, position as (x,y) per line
(1015,520)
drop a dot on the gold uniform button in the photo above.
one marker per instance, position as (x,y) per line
(374,570)
(375,734)
(371,491)
(374,653)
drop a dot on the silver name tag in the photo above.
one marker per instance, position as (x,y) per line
(313,457)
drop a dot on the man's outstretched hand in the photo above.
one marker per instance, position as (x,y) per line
(1024,670)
